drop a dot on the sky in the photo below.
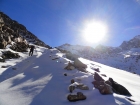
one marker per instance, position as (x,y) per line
(57,22)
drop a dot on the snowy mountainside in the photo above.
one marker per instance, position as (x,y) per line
(40,79)
(122,57)
(133,43)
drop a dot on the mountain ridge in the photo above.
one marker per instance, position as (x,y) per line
(10,30)
(125,57)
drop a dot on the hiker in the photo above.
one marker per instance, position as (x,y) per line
(31,50)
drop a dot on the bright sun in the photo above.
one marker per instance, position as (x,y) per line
(94,31)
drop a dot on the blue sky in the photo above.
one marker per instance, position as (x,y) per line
(57,22)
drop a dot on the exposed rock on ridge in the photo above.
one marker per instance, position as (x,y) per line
(12,31)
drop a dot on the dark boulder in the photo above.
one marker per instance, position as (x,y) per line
(5,66)
(20,47)
(71,88)
(97,69)
(74,98)
(119,88)
(65,74)
(97,77)
(79,64)
(3,44)
(9,55)
(103,87)
(70,66)
(2,60)
(72,81)
(104,75)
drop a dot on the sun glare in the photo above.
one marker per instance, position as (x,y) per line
(94,31)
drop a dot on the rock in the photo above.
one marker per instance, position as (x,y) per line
(79,85)
(72,81)
(14,68)
(97,77)
(103,87)
(79,96)
(79,64)
(130,99)
(72,98)
(2,60)
(97,69)
(55,58)
(3,44)
(13,31)
(104,75)
(83,87)
(82,69)
(108,82)
(69,66)
(65,74)
(71,88)
(20,47)
(4,66)
(9,55)
(119,88)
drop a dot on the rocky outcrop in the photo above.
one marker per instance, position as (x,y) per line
(9,55)
(3,44)
(20,47)
(103,87)
(79,64)
(76,85)
(97,77)
(109,86)
(70,66)
(11,30)
(119,88)
(133,43)
(2,60)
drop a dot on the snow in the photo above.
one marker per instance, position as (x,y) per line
(127,60)
(40,80)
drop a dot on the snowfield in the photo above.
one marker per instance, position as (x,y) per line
(127,60)
(40,80)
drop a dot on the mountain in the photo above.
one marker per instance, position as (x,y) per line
(125,57)
(12,31)
(133,43)
(42,80)
(51,77)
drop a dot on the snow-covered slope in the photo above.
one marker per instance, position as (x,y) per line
(39,80)
(128,60)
